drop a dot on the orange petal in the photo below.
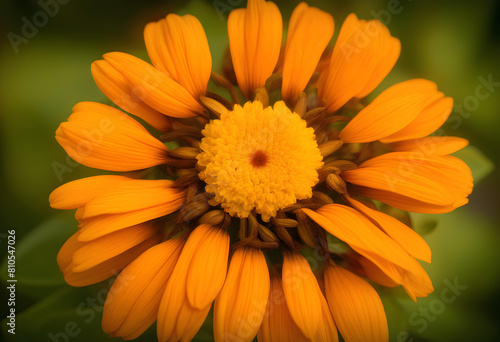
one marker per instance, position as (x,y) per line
(413,278)
(368,269)
(433,116)
(240,306)
(358,232)
(352,227)
(65,255)
(119,90)
(302,53)
(135,194)
(133,301)
(104,138)
(97,251)
(77,193)
(302,293)
(277,324)
(327,331)
(413,186)
(355,305)
(101,225)
(154,87)
(430,146)
(106,269)
(452,167)
(189,322)
(416,281)
(178,319)
(324,61)
(391,111)
(254,40)
(208,266)
(403,235)
(364,54)
(443,182)
(178,46)
(407,203)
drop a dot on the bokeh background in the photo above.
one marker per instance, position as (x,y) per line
(47,70)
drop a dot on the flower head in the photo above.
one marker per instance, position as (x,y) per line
(304,158)
(259,159)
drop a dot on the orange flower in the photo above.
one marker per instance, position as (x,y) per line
(274,176)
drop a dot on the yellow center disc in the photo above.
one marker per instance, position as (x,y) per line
(256,158)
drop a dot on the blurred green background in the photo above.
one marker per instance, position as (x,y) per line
(47,70)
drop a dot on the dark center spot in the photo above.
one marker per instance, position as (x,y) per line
(259,159)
